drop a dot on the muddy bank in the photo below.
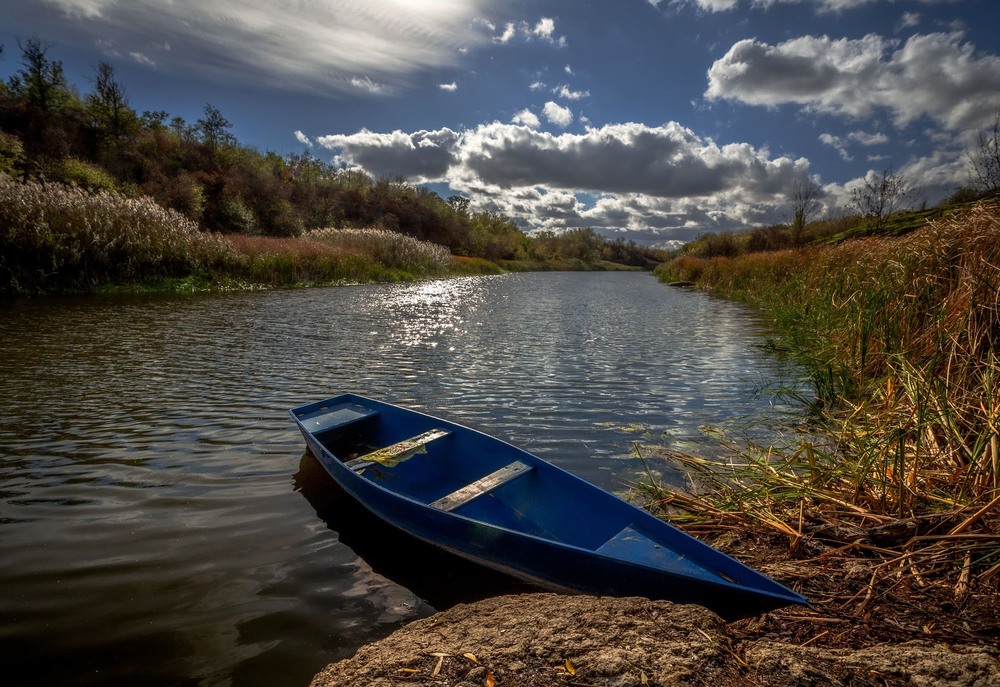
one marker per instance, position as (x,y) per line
(533,640)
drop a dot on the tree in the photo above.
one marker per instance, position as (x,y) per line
(41,82)
(805,204)
(214,128)
(880,196)
(108,102)
(985,160)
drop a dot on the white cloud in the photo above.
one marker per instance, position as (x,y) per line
(366,84)
(508,33)
(862,138)
(537,86)
(450,87)
(909,20)
(302,138)
(557,114)
(320,46)
(567,94)
(527,118)
(659,183)
(543,30)
(822,6)
(142,58)
(419,156)
(936,75)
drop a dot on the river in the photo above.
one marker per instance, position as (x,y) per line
(160,525)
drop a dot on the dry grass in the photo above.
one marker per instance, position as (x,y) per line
(901,339)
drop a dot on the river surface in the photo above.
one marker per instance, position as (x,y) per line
(160,525)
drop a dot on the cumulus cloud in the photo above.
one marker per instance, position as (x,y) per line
(557,114)
(655,181)
(419,156)
(566,93)
(936,75)
(527,118)
(302,138)
(450,87)
(543,30)
(318,46)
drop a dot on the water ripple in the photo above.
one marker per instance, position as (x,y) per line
(150,523)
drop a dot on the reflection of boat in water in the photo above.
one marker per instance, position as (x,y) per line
(501,507)
(437,577)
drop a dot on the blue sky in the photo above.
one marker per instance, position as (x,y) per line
(657,121)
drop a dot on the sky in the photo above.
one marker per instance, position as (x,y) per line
(652,120)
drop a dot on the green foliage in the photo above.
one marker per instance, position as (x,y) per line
(41,82)
(84,174)
(11,153)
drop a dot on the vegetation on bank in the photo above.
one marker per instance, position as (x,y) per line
(202,179)
(902,471)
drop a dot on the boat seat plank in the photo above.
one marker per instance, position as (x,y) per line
(327,418)
(398,452)
(491,481)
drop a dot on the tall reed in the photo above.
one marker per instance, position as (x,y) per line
(901,337)
(57,237)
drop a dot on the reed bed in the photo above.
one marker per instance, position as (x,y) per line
(390,249)
(900,336)
(55,237)
(58,237)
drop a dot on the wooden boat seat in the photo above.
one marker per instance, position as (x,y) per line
(396,453)
(491,481)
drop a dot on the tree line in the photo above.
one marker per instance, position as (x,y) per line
(98,141)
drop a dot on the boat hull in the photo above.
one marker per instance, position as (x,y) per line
(597,544)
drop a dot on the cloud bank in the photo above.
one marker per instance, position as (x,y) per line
(634,176)
(934,75)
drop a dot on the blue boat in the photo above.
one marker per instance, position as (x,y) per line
(485,500)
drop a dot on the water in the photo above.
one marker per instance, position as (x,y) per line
(159,524)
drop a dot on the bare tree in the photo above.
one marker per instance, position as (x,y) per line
(880,196)
(985,159)
(805,204)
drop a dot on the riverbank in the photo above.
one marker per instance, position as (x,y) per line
(886,504)
(56,238)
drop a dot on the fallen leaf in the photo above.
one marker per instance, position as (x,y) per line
(471,657)
(409,670)
(569,668)
(643,678)
(489,678)
(437,668)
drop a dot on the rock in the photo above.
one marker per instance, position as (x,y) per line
(528,639)
(536,640)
